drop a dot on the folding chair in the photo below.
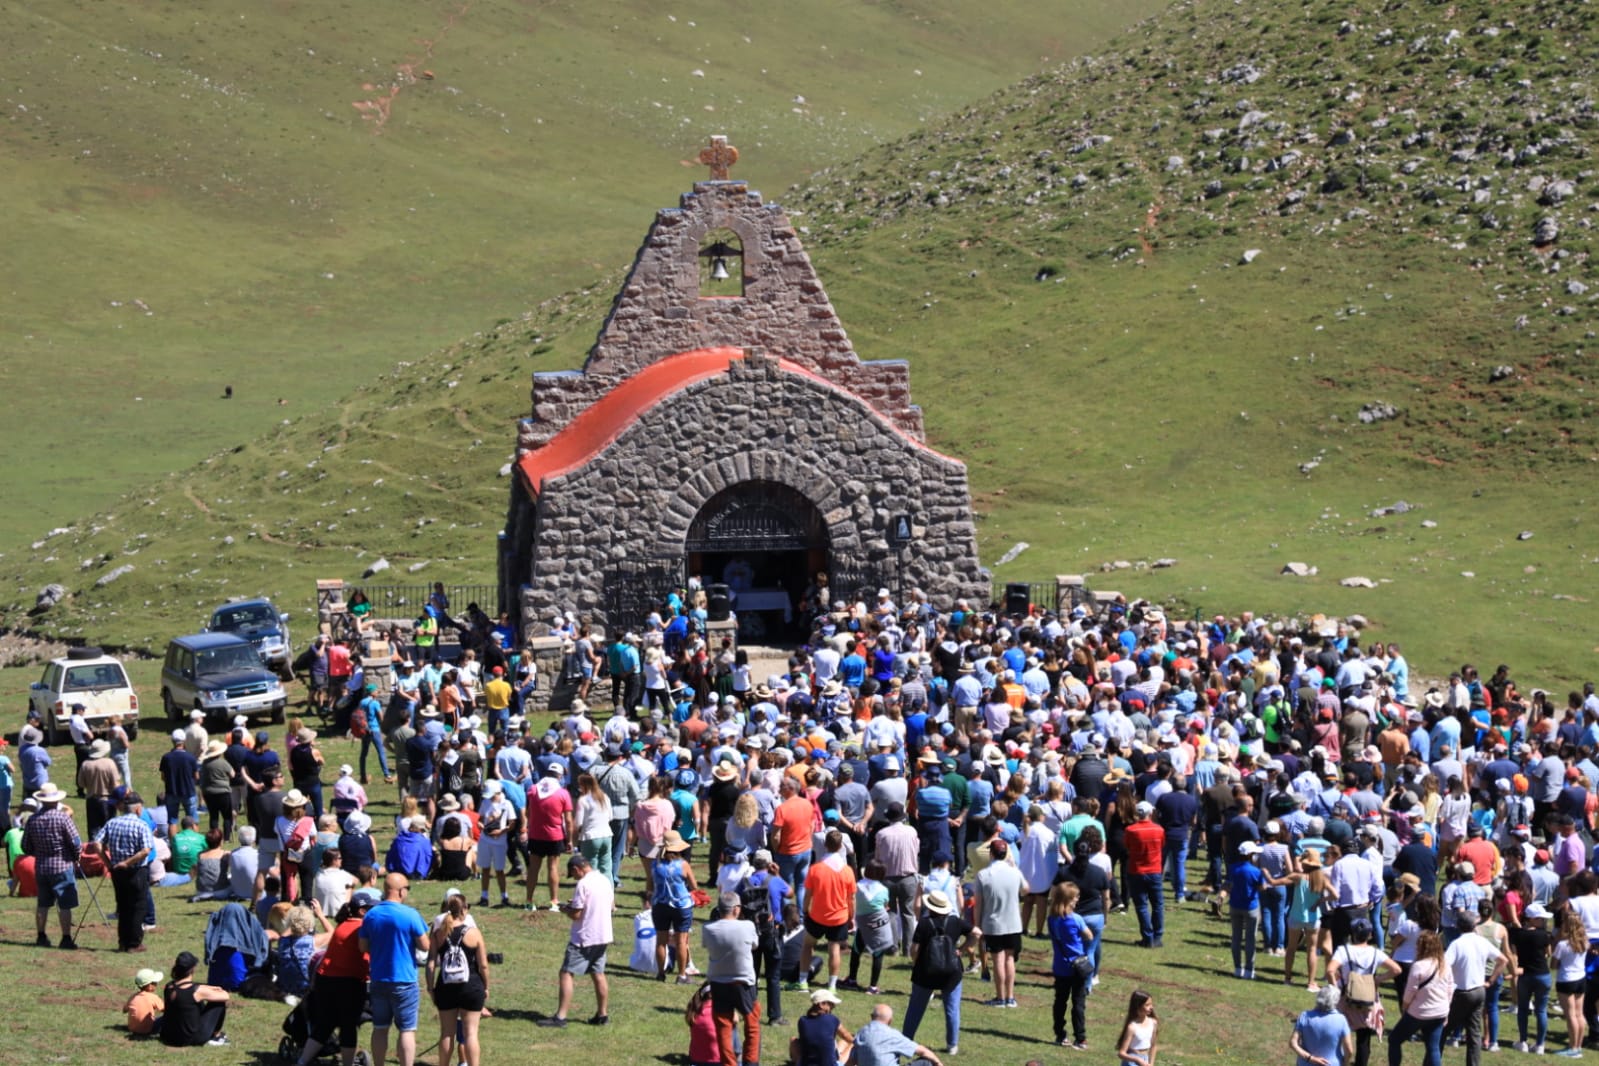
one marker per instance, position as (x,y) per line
(94,883)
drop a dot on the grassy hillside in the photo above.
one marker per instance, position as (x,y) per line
(287,198)
(1084,330)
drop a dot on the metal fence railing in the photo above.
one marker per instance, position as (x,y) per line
(1046,595)
(395,601)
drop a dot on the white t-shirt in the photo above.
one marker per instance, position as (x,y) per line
(593,818)
(332,889)
(1587,908)
(1570,965)
(1469,958)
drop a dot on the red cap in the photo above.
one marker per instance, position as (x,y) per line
(498,670)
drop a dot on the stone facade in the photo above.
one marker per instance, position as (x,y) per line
(685,397)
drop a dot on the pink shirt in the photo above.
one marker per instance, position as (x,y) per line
(1426,999)
(547,804)
(1568,855)
(595,897)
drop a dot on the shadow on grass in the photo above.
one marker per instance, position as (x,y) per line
(998,1034)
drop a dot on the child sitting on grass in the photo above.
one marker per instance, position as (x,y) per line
(145,1006)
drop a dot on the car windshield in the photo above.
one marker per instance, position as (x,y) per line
(227,660)
(105,675)
(241,617)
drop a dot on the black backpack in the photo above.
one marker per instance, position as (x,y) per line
(755,901)
(943,963)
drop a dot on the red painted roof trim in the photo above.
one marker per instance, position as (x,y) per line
(599,424)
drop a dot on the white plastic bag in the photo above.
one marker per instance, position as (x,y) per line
(643,958)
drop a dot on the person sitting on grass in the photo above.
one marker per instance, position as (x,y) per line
(194,1013)
(144,1007)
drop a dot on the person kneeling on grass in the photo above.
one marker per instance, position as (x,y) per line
(194,1013)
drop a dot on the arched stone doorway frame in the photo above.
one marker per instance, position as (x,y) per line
(814,484)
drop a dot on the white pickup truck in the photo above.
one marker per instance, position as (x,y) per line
(92,678)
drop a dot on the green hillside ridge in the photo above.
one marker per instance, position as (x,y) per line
(1123,386)
(288,197)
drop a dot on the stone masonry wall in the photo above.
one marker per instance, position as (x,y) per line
(756,422)
(658,312)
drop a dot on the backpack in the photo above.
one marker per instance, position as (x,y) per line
(453,966)
(943,961)
(1360,987)
(756,902)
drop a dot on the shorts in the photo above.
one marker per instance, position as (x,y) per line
(423,789)
(670,919)
(1011,942)
(1310,926)
(1571,988)
(539,848)
(580,960)
(649,851)
(58,890)
(491,852)
(395,1003)
(467,997)
(832,934)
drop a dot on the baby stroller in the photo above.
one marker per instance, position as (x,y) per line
(297,1029)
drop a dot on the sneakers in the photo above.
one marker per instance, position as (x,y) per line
(600,1019)
(220,1040)
(483,900)
(1080,1045)
(43,940)
(685,979)
(850,983)
(692,970)
(555,905)
(953,1049)
(551,1022)
(69,944)
(1570,1053)
(1521,1046)
(796,986)
(995,1002)
(1011,1003)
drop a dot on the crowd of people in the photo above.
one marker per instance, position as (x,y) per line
(938,786)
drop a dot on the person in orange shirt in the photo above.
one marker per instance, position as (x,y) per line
(145,1007)
(791,833)
(829,908)
(1015,694)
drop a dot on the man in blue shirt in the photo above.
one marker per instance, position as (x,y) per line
(180,774)
(878,1043)
(391,933)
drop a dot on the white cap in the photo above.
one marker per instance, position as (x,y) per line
(1249,847)
(177,735)
(1144,809)
(196,715)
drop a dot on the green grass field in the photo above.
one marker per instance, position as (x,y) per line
(1083,331)
(290,198)
(1206,1016)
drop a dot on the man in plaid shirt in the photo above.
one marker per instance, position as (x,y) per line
(52,839)
(128,843)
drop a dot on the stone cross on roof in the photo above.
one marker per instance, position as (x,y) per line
(718,155)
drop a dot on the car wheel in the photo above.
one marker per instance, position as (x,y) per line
(52,735)
(277,715)
(132,730)
(168,707)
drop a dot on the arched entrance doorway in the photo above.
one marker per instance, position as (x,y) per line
(765,541)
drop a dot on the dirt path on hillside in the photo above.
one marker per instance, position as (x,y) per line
(408,72)
(1151,217)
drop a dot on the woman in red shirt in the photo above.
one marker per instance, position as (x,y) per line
(338,994)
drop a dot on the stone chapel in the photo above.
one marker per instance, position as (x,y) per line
(724,431)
